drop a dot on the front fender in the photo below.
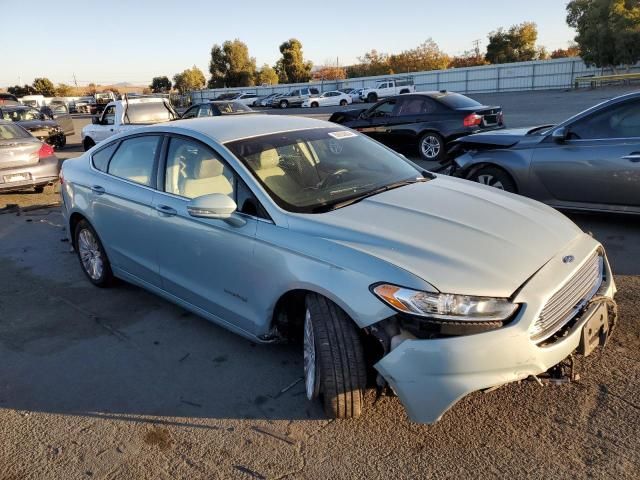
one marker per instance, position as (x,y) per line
(516,162)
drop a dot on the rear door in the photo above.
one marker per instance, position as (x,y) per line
(600,161)
(413,115)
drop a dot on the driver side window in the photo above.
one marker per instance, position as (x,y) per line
(109,115)
(621,121)
(385,109)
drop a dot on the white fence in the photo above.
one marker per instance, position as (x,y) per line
(506,77)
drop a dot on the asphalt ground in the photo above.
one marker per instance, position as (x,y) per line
(118,384)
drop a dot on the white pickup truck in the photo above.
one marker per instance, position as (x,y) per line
(387,88)
(121,115)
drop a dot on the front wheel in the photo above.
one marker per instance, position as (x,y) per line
(93,259)
(431,147)
(343,103)
(334,366)
(284,104)
(314,105)
(88,144)
(494,177)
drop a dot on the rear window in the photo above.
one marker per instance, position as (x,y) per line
(455,100)
(102,157)
(155,112)
(231,107)
(9,132)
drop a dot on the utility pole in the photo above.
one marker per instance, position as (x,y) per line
(476,47)
(74,80)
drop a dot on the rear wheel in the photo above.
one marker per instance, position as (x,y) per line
(314,104)
(88,143)
(431,147)
(93,259)
(284,104)
(494,177)
(343,103)
(372,98)
(334,366)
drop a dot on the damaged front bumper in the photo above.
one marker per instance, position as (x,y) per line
(431,375)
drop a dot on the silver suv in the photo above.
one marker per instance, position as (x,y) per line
(296,97)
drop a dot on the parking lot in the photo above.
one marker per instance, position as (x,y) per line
(117,383)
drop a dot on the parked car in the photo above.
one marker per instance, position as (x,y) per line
(280,227)
(264,101)
(387,88)
(228,96)
(588,162)
(273,102)
(296,97)
(86,105)
(25,161)
(102,100)
(37,123)
(355,95)
(348,91)
(33,101)
(123,115)
(216,108)
(428,121)
(328,99)
(246,98)
(60,113)
(8,99)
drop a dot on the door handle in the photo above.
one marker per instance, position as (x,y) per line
(166,210)
(633,156)
(97,189)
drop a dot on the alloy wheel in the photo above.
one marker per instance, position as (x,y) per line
(490,180)
(430,146)
(90,254)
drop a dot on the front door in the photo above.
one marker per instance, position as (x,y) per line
(204,262)
(376,120)
(61,115)
(599,163)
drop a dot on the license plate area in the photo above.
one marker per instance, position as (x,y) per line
(16,177)
(595,330)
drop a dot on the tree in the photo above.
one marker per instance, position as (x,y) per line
(160,84)
(266,76)
(92,89)
(372,63)
(608,31)
(64,90)
(329,73)
(426,56)
(570,51)
(231,65)
(518,44)
(19,91)
(293,64)
(468,59)
(44,86)
(190,79)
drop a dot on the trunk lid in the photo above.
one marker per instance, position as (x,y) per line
(16,153)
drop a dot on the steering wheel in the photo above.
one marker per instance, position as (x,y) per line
(331,179)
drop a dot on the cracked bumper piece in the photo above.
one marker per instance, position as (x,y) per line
(430,376)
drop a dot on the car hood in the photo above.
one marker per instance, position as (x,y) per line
(459,236)
(38,124)
(501,138)
(346,115)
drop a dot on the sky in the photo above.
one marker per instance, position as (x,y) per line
(133,41)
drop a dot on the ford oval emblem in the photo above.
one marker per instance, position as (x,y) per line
(568,259)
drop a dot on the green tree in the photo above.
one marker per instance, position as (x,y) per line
(426,56)
(231,65)
(608,31)
(518,44)
(570,51)
(292,63)
(266,76)
(19,91)
(160,84)
(190,79)
(64,90)
(280,71)
(44,86)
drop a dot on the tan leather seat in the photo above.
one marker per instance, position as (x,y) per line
(268,170)
(209,178)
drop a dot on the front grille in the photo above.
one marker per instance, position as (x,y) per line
(567,302)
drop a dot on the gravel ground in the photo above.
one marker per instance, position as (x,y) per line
(119,384)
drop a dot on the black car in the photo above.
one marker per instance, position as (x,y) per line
(8,99)
(216,108)
(37,123)
(428,121)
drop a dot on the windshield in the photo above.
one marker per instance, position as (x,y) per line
(455,100)
(21,114)
(311,171)
(9,132)
(231,107)
(152,112)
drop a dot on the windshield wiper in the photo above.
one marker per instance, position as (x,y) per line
(356,198)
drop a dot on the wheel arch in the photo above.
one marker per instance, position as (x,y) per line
(74,219)
(472,169)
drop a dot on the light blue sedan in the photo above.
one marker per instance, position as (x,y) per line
(286,228)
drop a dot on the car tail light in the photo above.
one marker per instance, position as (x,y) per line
(472,120)
(45,151)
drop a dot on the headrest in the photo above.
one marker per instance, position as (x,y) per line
(209,167)
(269,158)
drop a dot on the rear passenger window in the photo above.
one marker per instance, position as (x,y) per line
(134,159)
(101,158)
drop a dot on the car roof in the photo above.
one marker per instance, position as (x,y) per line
(225,129)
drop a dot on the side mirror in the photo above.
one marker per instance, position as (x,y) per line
(95,120)
(214,205)
(560,135)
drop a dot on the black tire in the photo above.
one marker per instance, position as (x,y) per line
(314,105)
(88,143)
(61,142)
(372,98)
(494,177)
(343,103)
(283,104)
(105,276)
(431,147)
(339,358)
